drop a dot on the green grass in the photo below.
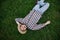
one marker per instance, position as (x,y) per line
(11,9)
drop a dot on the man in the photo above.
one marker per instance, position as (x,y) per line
(30,21)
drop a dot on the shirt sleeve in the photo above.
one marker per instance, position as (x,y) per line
(19,19)
(37,27)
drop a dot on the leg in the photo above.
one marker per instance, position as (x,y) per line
(41,2)
(36,7)
(37,27)
(44,8)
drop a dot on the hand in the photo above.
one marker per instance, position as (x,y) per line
(48,22)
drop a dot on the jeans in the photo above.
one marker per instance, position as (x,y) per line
(42,9)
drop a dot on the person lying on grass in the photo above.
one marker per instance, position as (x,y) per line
(30,21)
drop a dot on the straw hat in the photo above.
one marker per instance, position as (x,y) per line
(21,31)
(19,28)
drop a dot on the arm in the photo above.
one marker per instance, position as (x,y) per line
(18,20)
(37,27)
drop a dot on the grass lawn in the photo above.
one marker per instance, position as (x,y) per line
(11,9)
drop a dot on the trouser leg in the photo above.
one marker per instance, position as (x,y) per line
(36,7)
(41,2)
(43,8)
